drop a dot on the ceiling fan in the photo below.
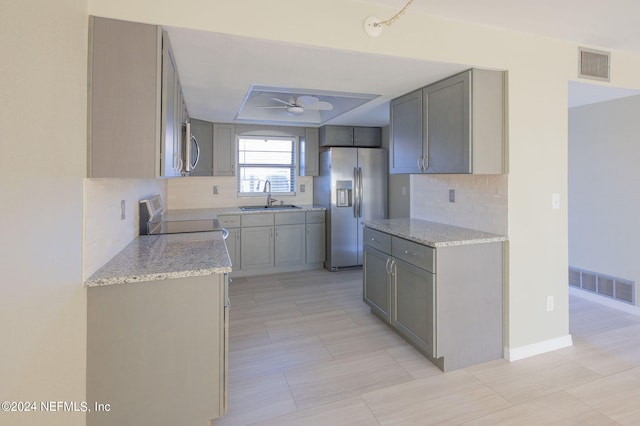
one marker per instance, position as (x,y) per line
(297,105)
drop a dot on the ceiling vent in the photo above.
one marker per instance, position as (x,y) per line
(594,64)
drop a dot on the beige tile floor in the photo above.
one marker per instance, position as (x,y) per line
(305,350)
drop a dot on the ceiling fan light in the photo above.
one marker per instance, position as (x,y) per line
(295,110)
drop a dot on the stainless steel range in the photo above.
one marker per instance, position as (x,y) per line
(154,222)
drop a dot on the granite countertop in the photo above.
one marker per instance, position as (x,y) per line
(433,234)
(212,213)
(160,257)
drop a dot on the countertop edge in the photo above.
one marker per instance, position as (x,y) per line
(130,279)
(394,227)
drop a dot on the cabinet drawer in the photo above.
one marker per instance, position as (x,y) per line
(290,218)
(378,240)
(229,221)
(414,253)
(315,217)
(257,219)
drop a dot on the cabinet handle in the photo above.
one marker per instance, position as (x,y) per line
(410,254)
(386,266)
(419,163)
(394,267)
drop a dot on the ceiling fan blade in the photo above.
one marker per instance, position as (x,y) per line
(275,107)
(306,100)
(283,102)
(320,106)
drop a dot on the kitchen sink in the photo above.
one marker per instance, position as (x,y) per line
(276,207)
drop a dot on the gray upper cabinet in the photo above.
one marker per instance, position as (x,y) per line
(350,136)
(224,150)
(456,125)
(135,107)
(309,152)
(406,133)
(171,163)
(446,126)
(124,99)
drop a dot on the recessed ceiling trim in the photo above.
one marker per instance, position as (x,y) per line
(265,104)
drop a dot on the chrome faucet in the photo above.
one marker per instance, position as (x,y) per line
(270,200)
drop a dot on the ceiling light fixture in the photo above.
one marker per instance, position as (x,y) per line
(373,26)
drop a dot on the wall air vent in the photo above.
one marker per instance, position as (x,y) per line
(603,285)
(594,64)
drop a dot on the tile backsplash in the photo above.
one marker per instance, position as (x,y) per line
(480,200)
(198,193)
(105,232)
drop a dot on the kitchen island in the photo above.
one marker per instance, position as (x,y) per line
(157,332)
(438,286)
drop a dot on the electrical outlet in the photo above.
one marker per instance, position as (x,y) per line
(404,190)
(550,305)
(123,206)
(216,190)
(452,195)
(302,188)
(555,201)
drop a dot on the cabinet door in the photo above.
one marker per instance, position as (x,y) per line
(413,312)
(447,106)
(224,150)
(290,245)
(256,247)
(203,132)
(171,159)
(124,103)
(309,153)
(315,242)
(233,247)
(405,152)
(336,136)
(367,136)
(376,290)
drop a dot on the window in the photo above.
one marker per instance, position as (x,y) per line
(262,159)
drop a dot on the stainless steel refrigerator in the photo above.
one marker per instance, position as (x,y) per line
(352,186)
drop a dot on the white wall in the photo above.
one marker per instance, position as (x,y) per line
(603,196)
(43,46)
(538,71)
(105,232)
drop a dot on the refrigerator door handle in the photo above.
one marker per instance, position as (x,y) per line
(360,192)
(356,192)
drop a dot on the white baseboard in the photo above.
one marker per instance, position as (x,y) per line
(605,301)
(514,354)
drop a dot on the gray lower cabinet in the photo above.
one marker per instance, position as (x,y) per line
(257,249)
(290,245)
(272,242)
(233,247)
(315,242)
(232,224)
(157,351)
(413,299)
(446,301)
(377,285)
